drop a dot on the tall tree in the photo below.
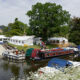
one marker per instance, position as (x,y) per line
(16,28)
(64,31)
(2,27)
(45,18)
(75,30)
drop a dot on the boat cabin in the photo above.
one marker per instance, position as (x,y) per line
(43,54)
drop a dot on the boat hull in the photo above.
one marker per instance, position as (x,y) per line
(13,56)
(40,54)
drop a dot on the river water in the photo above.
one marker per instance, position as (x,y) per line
(9,69)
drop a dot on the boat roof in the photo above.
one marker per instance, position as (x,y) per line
(58,63)
(78,46)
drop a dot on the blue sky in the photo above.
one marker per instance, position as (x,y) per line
(10,9)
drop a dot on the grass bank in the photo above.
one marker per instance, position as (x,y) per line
(24,47)
(33,46)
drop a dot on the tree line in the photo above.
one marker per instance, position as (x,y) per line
(47,20)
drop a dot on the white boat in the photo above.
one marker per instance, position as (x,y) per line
(10,55)
(73,48)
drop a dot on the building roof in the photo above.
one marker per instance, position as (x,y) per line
(21,37)
(58,38)
(2,36)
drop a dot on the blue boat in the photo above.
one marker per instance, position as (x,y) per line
(78,47)
(59,63)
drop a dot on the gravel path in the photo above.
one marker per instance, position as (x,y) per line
(2,49)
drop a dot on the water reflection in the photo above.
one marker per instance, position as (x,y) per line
(18,70)
(5,66)
(10,69)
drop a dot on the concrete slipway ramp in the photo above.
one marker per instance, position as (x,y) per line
(2,49)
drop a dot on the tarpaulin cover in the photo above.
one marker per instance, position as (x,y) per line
(58,63)
(78,47)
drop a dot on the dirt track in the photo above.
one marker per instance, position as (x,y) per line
(2,49)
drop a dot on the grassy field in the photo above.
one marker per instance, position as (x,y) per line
(24,47)
(34,46)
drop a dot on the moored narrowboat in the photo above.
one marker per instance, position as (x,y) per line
(47,53)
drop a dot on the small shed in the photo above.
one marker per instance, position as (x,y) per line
(60,41)
(3,39)
(21,40)
(37,40)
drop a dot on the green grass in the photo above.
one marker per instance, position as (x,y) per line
(34,46)
(24,48)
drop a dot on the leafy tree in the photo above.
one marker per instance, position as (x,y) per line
(16,19)
(64,31)
(75,30)
(29,31)
(16,28)
(45,19)
(5,31)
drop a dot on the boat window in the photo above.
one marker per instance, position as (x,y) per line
(54,54)
(37,52)
(47,54)
(59,52)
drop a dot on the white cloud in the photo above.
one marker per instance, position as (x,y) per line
(72,6)
(10,9)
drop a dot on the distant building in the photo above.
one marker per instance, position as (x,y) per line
(59,41)
(3,39)
(17,40)
(37,40)
(21,40)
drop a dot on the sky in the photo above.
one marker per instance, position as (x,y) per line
(10,9)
